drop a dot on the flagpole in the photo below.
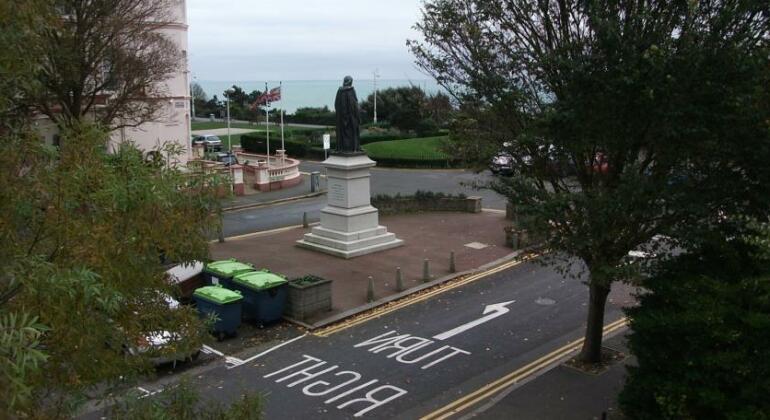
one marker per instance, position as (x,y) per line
(280,89)
(267,126)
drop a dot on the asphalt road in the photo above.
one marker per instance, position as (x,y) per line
(409,362)
(383,181)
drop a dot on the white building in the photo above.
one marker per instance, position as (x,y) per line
(172,123)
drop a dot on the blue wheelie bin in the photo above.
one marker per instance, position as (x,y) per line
(224,304)
(264,295)
(223,271)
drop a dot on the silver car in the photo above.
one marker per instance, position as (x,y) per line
(210,142)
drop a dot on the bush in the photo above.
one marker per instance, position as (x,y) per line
(700,336)
(426,162)
(312,115)
(257,143)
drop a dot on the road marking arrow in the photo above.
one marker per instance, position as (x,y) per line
(493,311)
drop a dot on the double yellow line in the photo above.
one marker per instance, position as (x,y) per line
(388,308)
(498,385)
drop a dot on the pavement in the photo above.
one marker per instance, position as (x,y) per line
(563,393)
(429,236)
(297,192)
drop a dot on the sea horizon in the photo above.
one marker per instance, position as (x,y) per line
(312,93)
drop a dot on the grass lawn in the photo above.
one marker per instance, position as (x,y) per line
(420,148)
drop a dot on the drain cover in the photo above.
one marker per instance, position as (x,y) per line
(476,245)
(545,301)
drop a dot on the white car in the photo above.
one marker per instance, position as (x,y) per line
(210,142)
(162,343)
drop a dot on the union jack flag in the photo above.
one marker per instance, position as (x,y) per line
(272,95)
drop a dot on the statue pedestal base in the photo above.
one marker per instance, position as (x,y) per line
(349,224)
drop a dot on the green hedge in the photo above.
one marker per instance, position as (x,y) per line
(373,138)
(421,162)
(257,143)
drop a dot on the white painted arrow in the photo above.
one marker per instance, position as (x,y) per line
(498,309)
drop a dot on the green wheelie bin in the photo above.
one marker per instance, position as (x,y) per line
(223,271)
(224,304)
(264,295)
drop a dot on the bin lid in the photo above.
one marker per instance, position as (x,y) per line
(259,280)
(228,268)
(218,294)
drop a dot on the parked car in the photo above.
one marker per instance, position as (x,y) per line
(162,346)
(501,164)
(227,158)
(210,142)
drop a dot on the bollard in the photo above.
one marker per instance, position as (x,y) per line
(452,268)
(399,280)
(315,181)
(370,290)
(426,270)
(220,229)
(304,219)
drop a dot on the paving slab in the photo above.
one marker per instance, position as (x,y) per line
(426,236)
(564,393)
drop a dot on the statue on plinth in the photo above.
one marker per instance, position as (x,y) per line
(348,118)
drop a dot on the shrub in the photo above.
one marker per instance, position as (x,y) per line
(257,143)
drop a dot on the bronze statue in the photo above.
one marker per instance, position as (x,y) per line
(346,107)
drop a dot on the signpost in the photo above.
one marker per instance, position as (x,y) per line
(327,143)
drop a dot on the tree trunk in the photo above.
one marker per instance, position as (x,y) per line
(592,346)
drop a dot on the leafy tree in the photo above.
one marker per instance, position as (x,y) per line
(700,338)
(197,92)
(199,97)
(237,96)
(91,48)
(85,238)
(313,115)
(402,107)
(659,108)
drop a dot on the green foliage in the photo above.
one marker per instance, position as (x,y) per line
(409,108)
(183,402)
(660,108)
(418,195)
(313,115)
(700,336)
(20,336)
(411,153)
(85,238)
(257,143)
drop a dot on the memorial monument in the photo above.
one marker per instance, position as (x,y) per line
(349,224)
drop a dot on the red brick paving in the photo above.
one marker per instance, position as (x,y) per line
(425,235)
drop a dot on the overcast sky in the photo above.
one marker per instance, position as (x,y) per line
(301,39)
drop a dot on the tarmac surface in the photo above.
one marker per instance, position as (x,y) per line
(564,393)
(426,236)
(410,362)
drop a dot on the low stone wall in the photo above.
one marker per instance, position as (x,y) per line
(410,204)
(308,299)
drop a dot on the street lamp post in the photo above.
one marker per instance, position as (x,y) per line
(229,144)
(375,94)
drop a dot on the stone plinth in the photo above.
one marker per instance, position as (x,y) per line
(349,224)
